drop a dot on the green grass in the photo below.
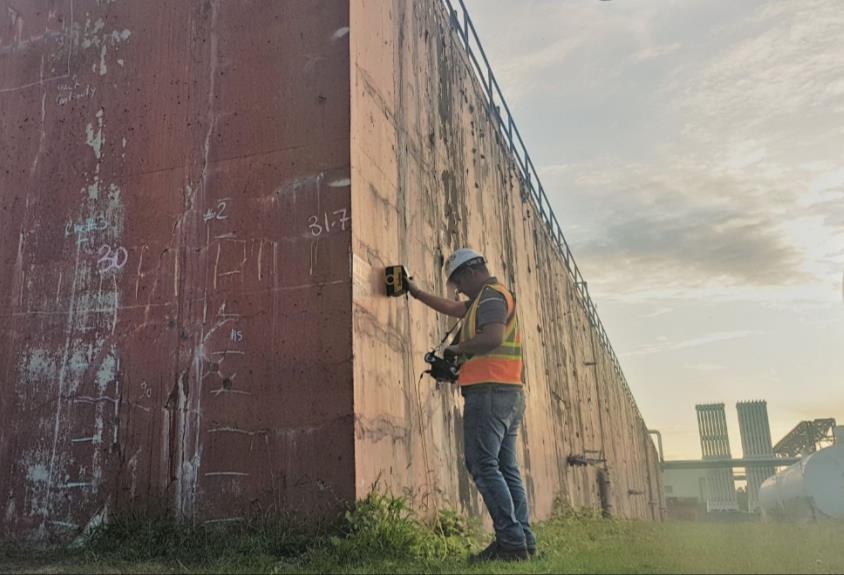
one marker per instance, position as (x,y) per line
(382,534)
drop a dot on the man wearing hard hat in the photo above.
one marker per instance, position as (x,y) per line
(491,383)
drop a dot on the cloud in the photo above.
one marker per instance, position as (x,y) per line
(666,346)
(656,51)
(658,312)
(785,76)
(681,226)
(739,186)
(706,367)
(692,152)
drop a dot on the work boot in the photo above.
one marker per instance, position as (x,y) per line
(496,552)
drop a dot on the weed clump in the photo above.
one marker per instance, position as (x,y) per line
(386,527)
(144,538)
(380,527)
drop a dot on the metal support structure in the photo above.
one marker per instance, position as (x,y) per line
(806,437)
(729,463)
(658,443)
(715,445)
(755,431)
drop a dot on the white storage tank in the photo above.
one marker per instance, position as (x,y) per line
(811,489)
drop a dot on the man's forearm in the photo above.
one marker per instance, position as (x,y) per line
(450,307)
(484,342)
(476,346)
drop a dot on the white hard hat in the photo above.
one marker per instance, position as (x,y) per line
(460,258)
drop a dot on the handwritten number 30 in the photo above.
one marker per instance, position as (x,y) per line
(111,259)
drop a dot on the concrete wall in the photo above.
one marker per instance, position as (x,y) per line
(431,174)
(197,200)
(171,293)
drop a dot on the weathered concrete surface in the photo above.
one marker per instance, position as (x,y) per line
(174,248)
(189,318)
(429,175)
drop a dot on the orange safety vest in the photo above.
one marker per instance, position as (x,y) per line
(503,364)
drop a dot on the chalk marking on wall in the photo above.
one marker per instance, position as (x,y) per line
(16,24)
(83,440)
(227,520)
(343,183)
(219,373)
(110,310)
(314,256)
(296,185)
(240,268)
(311,60)
(91,224)
(42,126)
(176,270)
(328,222)
(217,264)
(216,326)
(218,391)
(61,384)
(67,31)
(19,265)
(111,259)
(340,32)
(115,429)
(76,485)
(219,213)
(116,307)
(229,429)
(226,474)
(91,311)
(186,497)
(66,524)
(72,91)
(88,399)
(260,257)
(138,279)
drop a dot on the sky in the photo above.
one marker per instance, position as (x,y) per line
(693,151)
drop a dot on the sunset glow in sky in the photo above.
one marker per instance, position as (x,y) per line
(693,151)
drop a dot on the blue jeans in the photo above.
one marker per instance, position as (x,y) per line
(491,419)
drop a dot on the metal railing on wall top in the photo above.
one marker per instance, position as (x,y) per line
(500,112)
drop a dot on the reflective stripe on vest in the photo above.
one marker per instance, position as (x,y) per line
(503,364)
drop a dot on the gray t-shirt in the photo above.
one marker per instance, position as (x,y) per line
(491,309)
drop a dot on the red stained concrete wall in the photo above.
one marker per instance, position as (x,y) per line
(174,246)
(190,319)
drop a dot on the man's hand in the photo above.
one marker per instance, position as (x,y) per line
(412,288)
(455,349)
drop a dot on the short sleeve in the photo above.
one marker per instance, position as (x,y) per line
(491,309)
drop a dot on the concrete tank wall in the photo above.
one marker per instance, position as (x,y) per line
(176,314)
(197,200)
(431,174)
